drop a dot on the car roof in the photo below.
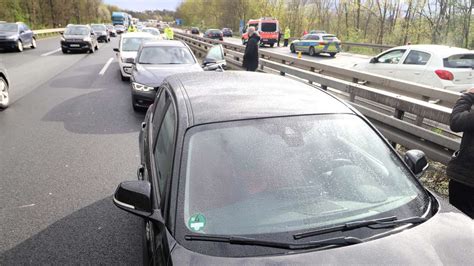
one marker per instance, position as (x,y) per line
(235,95)
(167,43)
(137,35)
(441,50)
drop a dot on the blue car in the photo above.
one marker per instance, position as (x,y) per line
(314,44)
(16,36)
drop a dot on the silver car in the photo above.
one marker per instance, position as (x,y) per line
(4,85)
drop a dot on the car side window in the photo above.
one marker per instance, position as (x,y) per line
(314,37)
(305,37)
(161,101)
(392,57)
(164,148)
(417,58)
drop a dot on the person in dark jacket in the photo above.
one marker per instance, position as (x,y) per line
(460,169)
(250,62)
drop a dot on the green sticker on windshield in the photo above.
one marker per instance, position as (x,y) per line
(197,222)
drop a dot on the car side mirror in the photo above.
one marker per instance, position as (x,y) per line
(373,60)
(417,162)
(116,50)
(208,61)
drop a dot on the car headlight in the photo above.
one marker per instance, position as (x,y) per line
(141,87)
(87,39)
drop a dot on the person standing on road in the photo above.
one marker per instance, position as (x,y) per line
(169,33)
(287,36)
(250,62)
(460,169)
(279,37)
(132,28)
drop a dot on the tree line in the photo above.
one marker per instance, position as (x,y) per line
(395,22)
(58,13)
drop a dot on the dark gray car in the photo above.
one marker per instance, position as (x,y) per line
(79,38)
(242,168)
(159,59)
(4,88)
(16,36)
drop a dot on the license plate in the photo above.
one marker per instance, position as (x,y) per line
(75,45)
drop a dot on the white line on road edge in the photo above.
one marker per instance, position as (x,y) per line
(52,52)
(102,72)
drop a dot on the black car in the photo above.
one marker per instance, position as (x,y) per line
(214,34)
(79,38)
(157,60)
(120,29)
(4,88)
(241,168)
(227,32)
(194,30)
(101,32)
(16,36)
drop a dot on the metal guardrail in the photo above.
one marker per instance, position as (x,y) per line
(48,31)
(385,109)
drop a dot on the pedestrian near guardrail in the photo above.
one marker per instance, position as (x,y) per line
(460,169)
(250,62)
(287,36)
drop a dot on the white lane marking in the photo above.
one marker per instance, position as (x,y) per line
(25,206)
(52,52)
(102,72)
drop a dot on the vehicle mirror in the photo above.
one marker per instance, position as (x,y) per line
(373,60)
(116,50)
(134,197)
(417,162)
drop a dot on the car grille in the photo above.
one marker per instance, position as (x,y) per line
(74,40)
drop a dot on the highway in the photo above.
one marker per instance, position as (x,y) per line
(68,138)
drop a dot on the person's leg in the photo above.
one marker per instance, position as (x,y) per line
(462,197)
(285,42)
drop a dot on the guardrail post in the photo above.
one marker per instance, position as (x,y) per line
(324,87)
(399,114)
(310,82)
(284,63)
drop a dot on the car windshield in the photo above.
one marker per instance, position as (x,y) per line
(76,30)
(132,44)
(152,31)
(98,27)
(459,61)
(8,27)
(269,27)
(165,55)
(279,175)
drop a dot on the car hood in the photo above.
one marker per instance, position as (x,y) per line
(447,238)
(131,54)
(153,75)
(5,34)
(74,37)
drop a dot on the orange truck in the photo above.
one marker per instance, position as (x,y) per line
(268,29)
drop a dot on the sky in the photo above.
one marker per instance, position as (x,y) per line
(140,5)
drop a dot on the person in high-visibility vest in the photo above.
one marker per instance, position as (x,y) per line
(169,33)
(132,28)
(287,36)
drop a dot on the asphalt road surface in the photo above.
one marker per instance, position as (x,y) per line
(68,138)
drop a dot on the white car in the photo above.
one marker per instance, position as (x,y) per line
(153,31)
(437,66)
(127,51)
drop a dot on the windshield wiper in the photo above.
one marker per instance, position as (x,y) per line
(385,222)
(238,240)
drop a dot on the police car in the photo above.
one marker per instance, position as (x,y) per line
(317,43)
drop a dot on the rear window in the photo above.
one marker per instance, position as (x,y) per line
(269,27)
(459,61)
(329,38)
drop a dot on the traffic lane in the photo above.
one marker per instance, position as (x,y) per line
(65,147)
(27,75)
(13,58)
(346,60)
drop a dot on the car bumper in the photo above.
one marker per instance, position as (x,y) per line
(7,44)
(125,68)
(102,38)
(143,99)
(76,46)
(268,41)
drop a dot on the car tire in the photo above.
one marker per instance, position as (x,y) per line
(271,45)
(332,54)
(4,94)
(123,77)
(91,50)
(292,49)
(311,51)
(97,47)
(64,51)
(33,43)
(136,108)
(19,46)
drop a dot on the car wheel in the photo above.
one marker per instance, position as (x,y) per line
(311,51)
(271,45)
(97,47)
(123,77)
(4,95)
(292,48)
(64,51)
(19,46)
(33,43)
(332,54)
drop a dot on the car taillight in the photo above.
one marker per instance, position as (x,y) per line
(444,74)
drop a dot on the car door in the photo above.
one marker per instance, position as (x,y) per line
(387,64)
(23,34)
(161,158)
(414,66)
(28,33)
(301,45)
